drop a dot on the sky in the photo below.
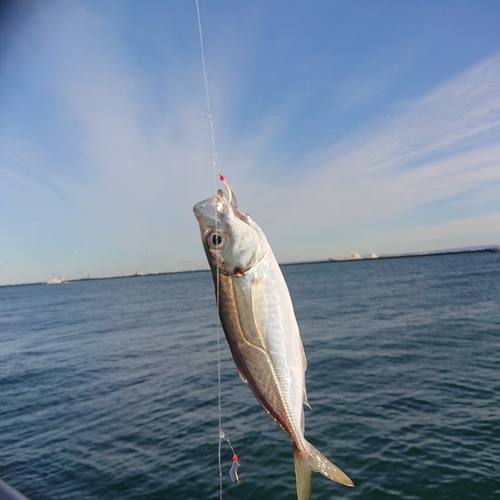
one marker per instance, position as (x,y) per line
(341,126)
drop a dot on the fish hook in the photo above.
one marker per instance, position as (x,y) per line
(230,193)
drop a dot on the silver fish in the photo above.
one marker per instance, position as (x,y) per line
(258,319)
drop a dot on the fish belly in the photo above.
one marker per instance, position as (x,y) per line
(259,322)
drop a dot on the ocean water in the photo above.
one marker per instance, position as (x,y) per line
(108,389)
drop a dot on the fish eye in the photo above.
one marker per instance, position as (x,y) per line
(216,240)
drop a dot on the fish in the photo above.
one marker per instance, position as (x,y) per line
(258,319)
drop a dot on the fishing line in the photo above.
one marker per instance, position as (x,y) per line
(222,435)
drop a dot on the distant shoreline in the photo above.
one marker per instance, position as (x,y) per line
(490,249)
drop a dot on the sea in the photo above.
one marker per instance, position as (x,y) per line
(108,388)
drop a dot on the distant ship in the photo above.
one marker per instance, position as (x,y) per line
(354,256)
(450,251)
(56,281)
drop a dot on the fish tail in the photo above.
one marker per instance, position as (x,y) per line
(309,460)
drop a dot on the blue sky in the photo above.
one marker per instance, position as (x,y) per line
(341,126)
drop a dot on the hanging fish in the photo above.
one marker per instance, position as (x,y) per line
(258,319)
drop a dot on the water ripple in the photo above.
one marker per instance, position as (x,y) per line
(109,388)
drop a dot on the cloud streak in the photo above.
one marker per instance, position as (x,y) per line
(428,151)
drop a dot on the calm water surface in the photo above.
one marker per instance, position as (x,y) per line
(108,389)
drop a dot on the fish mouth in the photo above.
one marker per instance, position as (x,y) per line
(205,212)
(217,209)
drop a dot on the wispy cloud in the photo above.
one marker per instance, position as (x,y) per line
(483,230)
(428,151)
(135,156)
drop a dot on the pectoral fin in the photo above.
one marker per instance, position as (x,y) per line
(259,311)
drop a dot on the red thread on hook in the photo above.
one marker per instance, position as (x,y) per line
(222,178)
(235,458)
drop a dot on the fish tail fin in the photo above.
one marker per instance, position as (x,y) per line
(311,460)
